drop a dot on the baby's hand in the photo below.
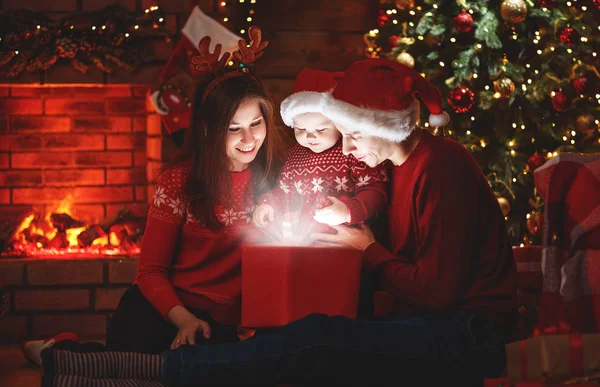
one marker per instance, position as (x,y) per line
(335,214)
(263,215)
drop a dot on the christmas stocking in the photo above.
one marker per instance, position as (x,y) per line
(172,94)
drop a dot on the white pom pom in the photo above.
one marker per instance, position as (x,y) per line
(439,119)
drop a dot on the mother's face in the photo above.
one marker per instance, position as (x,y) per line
(368,149)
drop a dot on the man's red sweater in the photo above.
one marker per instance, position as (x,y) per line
(448,246)
(184,263)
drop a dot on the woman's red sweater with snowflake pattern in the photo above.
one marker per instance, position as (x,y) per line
(184,263)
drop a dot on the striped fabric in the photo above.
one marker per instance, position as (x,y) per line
(111,365)
(80,381)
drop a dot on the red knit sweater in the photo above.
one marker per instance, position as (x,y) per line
(309,177)
(184,263)
(448,243)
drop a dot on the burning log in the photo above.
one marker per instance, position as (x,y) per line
(59,241)
(87,237)
(63,222)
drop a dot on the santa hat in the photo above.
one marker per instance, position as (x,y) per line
(308,94)
(376,97)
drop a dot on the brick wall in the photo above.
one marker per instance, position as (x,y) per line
(45,297)
(87,142)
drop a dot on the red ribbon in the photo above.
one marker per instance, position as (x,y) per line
(576,354)
(523,356)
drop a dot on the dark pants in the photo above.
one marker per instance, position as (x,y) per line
(136,326)
(419,350)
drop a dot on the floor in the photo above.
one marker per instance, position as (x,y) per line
(15,371)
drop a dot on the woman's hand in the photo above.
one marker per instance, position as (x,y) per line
(358,236)
(336,213)
(263,215)
(188,324)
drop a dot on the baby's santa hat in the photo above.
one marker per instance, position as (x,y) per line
(376,97)
(308,95)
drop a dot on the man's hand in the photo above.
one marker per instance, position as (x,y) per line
(263,215)
(358,236)
(336,213)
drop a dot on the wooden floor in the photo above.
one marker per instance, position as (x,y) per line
(15,371)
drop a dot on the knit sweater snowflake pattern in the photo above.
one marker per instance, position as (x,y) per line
(183,262)
(313,176)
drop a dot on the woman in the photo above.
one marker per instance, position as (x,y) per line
(188,280)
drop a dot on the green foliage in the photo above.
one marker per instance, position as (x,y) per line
(505,128)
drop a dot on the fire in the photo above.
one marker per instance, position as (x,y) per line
(59,233)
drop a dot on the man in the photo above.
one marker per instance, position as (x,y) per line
(447,261)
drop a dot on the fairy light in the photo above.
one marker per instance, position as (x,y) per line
(514,125)
(514,179)
(94,28)
(435,6)
(411,24)
(482,143)
(472,118)
(487,87)
(225,19)
(479,46)
(394,21)
(572,142)
(136,26)
(412,13)
(468,132)
(536,72)
(584,39)
(522,127)
(565,138)
(442,64)
(39,26)
(475,75)
(453,40)
(524,87)
(552,94)
(539,52)
(420,37)
(583,8)
(126,34)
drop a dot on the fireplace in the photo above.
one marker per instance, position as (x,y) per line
(78,163)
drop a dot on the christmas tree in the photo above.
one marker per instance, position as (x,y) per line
(520,80)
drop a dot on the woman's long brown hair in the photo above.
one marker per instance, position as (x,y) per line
(209,182)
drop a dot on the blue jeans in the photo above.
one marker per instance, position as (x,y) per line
(420,350)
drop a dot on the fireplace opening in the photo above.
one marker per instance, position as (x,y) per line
(59,233)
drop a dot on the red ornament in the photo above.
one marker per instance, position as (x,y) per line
(568,35)
(535,161)
(463,22)
(382,18)
(461,99)
(547,4)
(560,102)
(394,40)
(580,84)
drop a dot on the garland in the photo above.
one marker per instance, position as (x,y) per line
(109,38)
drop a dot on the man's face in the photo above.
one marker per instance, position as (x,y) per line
(368,149)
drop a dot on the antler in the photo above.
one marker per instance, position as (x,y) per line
(249,53)
(207,62)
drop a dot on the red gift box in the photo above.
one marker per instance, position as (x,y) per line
(281,284)
(529,267)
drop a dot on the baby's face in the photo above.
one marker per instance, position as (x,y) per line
(315,131)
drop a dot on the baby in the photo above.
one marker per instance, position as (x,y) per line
(317,175)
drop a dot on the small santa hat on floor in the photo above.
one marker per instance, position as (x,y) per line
(309,93)
(376,97)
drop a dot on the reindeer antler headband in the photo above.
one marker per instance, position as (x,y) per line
(207,63)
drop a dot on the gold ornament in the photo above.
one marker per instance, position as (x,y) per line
(406,59)
(504,205)
(513,11)
(405,4)
(585,123)
(534,222)
(504,86)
